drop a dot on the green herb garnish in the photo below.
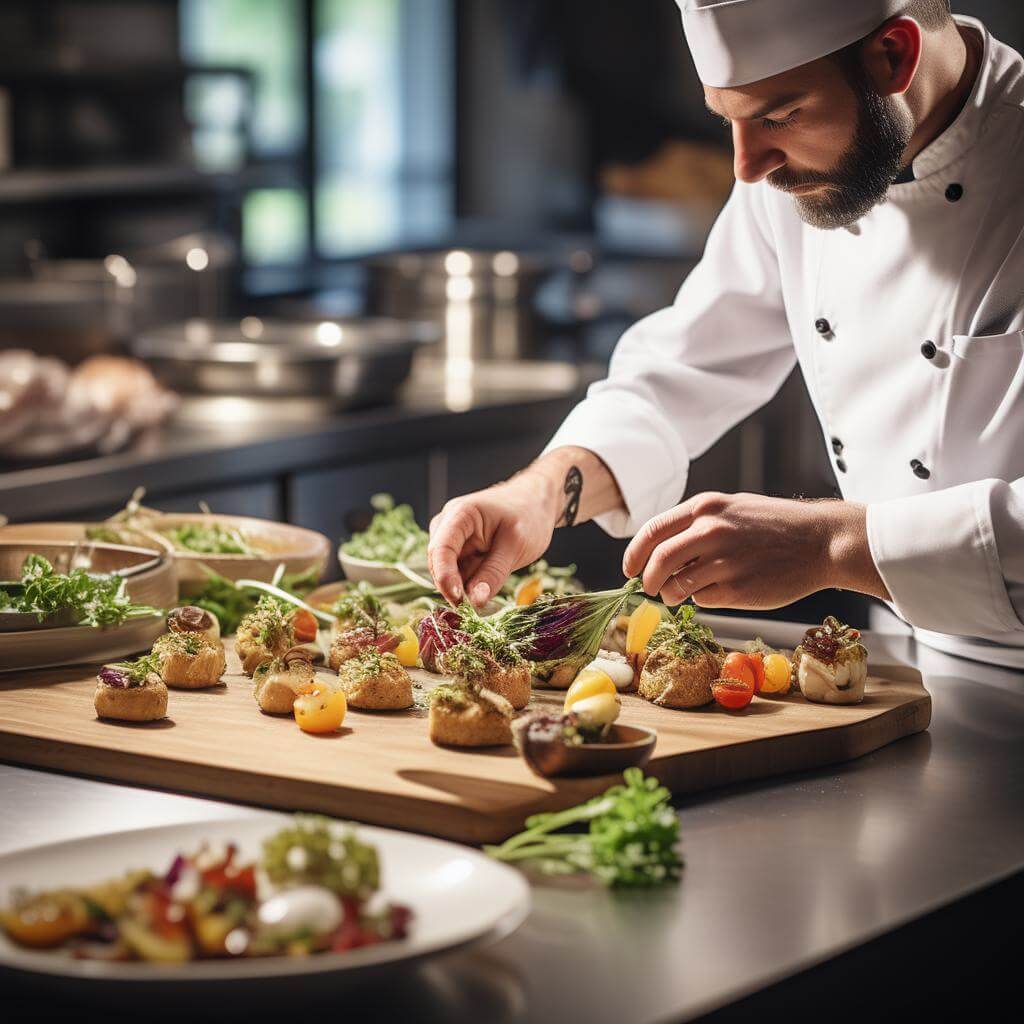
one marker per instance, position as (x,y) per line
(210,539)
(684,637)
(315,851)
(95,599)
(632,838)
(392,536)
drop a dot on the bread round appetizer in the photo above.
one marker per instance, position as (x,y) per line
(130,693)
(683,660)
(190,661)
(513,681)
(462,715)
(264,634)
(831,664)
(190,619)
(351,643)
(376,681)
(278,682)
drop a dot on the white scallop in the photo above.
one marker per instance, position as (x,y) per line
(309,906)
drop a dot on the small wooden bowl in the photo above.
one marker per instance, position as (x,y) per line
(629,746)
(297,548)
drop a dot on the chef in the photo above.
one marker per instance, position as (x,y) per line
(875,235)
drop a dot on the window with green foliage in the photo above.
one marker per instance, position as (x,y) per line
(382,145)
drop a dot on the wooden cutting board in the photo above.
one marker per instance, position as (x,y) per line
(381,768)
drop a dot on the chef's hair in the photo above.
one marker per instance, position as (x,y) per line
(929,14)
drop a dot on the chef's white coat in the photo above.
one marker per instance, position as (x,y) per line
(909,330)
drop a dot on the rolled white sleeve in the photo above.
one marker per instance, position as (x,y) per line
(953,560)
(681,377)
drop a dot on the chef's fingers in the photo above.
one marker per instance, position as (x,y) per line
(469,563)
(675,553)
(449,533)
(693,578)
(720,595)
(495,569)
(661,527)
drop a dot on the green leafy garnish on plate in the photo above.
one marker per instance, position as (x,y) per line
(631,841)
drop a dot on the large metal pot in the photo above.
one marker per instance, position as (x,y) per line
(190,276)
(483,300)
(354,363)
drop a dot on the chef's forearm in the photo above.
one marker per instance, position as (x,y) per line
(849,563)
(576,485)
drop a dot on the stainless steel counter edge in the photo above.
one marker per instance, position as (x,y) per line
(781,875)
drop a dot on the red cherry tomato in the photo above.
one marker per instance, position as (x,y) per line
(757,665)
(732,694)
(737,666)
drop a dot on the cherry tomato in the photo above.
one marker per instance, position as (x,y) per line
(737,666)
(756,659)
(304,626)
(321,709)
(776,674)
(732,694)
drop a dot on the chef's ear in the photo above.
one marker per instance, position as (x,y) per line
(891,55)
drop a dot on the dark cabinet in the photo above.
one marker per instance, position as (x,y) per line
(336,501)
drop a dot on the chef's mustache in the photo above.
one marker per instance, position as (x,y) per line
(785,180)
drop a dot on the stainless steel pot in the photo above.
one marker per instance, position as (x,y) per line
(483,300)
(357,362)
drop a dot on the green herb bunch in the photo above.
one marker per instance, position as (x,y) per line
(210,539)
(684,636)
(631,841)
(95,599)
(392,536)
(489,635)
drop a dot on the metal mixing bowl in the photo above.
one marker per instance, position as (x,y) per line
(354,363)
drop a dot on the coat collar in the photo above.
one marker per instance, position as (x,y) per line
(964,132)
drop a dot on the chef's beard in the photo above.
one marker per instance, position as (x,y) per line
(861,177)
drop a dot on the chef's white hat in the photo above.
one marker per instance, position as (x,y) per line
(735,42)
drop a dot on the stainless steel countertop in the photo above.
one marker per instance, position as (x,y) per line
(780,875)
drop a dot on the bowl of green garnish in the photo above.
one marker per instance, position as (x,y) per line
(392,541)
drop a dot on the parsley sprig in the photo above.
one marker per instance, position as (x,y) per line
(632,839)
(95,599)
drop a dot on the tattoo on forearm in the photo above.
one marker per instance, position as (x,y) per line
(572,487)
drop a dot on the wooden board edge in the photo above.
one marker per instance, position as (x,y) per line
(700,772)
(460,824)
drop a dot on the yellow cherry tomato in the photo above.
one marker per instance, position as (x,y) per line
(408,651)
(589,683)
(320,709)
(528,590)
(47,921)
(776,674)
(599,710)
(642,624)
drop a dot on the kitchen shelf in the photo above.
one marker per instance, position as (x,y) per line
(42,186)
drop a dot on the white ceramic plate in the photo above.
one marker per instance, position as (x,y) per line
(458,897)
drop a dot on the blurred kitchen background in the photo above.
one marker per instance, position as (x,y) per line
(277,255)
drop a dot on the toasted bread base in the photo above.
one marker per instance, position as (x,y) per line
(389,691)
(515,684)
(672,682)
(145,703)
(472,726)
(194,671)
(275,693)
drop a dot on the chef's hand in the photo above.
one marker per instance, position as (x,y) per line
(749,551)
(478,539)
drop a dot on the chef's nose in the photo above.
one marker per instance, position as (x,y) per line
(754,157)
